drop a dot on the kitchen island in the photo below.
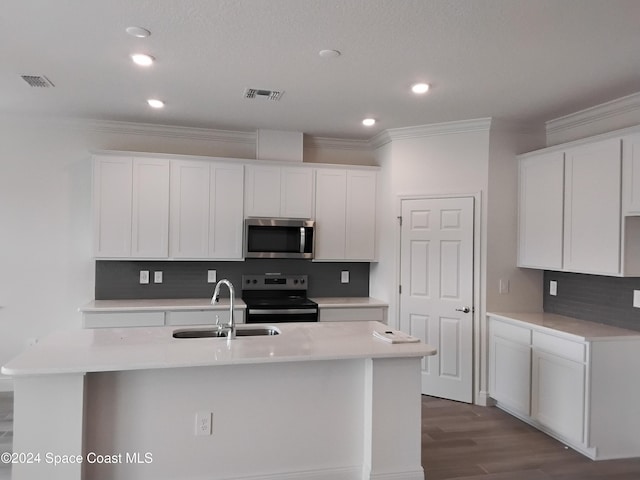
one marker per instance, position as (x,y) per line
(318,401)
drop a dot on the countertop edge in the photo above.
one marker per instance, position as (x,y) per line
(617,333)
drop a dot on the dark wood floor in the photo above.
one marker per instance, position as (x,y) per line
(469,442)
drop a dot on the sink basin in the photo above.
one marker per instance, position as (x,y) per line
(216,332)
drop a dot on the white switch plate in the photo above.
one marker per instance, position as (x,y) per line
(553,288)
(144,276)
(344,276)
(211,276)
(157,277)
(203,423)
(636,298)
(503,287)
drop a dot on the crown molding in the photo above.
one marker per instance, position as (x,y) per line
(445,128)
(336,143)
(619,106)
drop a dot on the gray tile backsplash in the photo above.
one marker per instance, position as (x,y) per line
(182,279)
(593,297)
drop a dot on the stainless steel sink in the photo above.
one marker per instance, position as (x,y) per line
(215,332)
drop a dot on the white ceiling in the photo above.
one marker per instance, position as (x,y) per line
(524,60)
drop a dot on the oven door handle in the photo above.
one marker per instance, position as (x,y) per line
(280,311)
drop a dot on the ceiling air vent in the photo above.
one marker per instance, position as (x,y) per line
(261,93)
(37,81)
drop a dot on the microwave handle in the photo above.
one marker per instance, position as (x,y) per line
(303,233)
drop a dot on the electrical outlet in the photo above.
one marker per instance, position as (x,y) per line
(157,277)
(553,288)
(211,276)
(636,298)
(503,287)
(344,276)
(203,423)
(144,276)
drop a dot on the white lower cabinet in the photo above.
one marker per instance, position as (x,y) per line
(349,314)
(158,318)
(582,392)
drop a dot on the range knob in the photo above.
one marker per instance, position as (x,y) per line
(302,280)
(295,281)
(255,281)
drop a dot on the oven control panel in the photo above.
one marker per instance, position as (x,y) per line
(275,281)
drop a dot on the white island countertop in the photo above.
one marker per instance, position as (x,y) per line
(121,349)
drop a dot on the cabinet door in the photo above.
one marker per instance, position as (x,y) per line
(360,229)
(540,211)
(631,174)
(226,211)
(112,195)
(592,208)
(558,394)
(510,366)
(189,209)
(331,211)
(296,196)
(150,208)
(262,196)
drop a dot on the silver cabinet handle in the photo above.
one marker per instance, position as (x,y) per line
(463,309)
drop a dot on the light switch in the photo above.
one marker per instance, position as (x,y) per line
(144,276)
(553,288)
(157,277)
(344,276)
(211,276)
(636,298)
(503,287)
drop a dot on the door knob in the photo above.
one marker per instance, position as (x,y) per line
(463,309)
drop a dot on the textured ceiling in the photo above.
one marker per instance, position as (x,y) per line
(524,60)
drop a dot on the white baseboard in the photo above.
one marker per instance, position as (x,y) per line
(411,475)
(6,384)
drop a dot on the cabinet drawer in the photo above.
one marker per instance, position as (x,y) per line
(559,346)
(511,332)
(352,314)
(123,319)
(202,317)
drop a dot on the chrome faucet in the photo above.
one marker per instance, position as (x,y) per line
(231,327)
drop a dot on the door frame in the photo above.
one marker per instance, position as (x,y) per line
(480,347)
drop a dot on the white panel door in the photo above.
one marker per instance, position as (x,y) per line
(436,302)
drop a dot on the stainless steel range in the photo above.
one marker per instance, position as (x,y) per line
(277,298)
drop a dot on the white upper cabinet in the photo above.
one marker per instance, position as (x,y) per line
(345,215)
(592,208)
(131,207)
(631,177)
(579,207)
(226,218)
(278,191)
(541,190)
(206,210)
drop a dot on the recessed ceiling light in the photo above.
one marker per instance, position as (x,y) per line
(155,103)
(142,59)
(138,32)
(420,88)
(329,53)
(369,122)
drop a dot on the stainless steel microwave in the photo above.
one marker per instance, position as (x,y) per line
(278,238)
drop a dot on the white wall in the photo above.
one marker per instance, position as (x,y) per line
(46,268)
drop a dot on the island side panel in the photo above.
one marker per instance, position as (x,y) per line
(393,419)
(298,420)
(48,421)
